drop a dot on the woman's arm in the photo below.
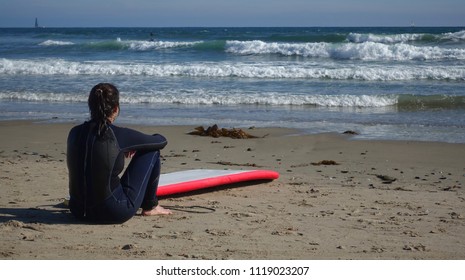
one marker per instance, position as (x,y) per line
(133,140)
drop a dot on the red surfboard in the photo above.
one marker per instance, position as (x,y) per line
(196,179)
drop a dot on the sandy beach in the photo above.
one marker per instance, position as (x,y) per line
(336,198)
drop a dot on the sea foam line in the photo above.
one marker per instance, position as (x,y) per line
(405,37)
(201,97)
(372,51)
(135,45)
(206,97)
(237,70)
(385,39)
(56,43)
(151,45)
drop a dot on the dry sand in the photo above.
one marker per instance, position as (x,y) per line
(383,200)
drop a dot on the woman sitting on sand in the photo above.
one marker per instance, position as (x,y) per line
(95,158)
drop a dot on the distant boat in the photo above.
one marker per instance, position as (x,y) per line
(37,24)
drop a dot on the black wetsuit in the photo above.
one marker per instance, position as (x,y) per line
(94,162)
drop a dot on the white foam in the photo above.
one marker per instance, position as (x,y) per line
(325,70)
(288,49)
(205,97)
(360,51)
(403,38)
(455,36)
(270,98)
(56,43)
(42,97)
(150,45)
(385,39)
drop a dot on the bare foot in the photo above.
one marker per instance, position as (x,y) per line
(158,210)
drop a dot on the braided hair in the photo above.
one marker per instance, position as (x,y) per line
(103,100)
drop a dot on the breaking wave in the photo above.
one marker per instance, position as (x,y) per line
(406,37)
(203,97)
(55,43)
(357,46)
(118,44)
(235,70)
(372,51)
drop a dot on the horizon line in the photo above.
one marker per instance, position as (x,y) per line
(226,26)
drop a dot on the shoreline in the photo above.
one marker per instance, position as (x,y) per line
(351,135)
(379,199)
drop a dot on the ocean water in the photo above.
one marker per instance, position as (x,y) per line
(384,83)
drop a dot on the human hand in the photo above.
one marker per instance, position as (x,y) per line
(129,154)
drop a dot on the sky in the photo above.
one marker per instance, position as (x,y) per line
(230,13)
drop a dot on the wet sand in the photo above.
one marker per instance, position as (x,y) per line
(336,198)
